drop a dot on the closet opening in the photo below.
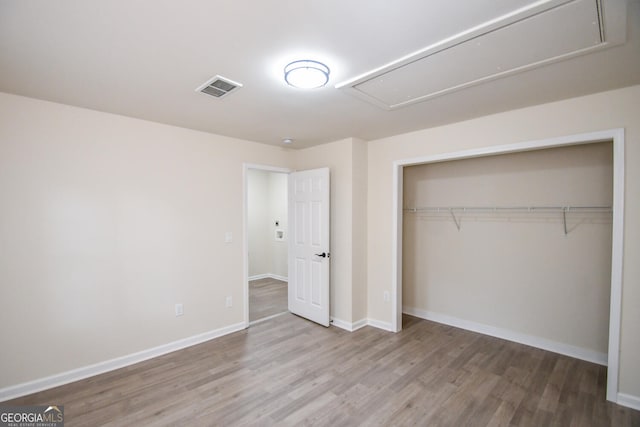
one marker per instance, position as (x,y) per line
(522,241)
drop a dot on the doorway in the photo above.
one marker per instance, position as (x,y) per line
(614,135)
(266,231)
(304,237)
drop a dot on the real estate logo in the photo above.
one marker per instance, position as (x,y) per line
(32,416)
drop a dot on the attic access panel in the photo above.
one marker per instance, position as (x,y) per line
(516,42)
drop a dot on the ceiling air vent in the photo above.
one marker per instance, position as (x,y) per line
(218,86)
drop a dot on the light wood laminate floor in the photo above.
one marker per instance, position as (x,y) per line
(287,371)
(267,297)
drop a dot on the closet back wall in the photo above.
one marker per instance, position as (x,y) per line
(514,271)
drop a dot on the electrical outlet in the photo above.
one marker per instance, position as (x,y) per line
(229,302)
(386,296)
(179,310)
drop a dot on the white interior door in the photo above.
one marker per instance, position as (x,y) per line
(309,244)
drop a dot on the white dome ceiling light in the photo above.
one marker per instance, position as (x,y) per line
(306,74)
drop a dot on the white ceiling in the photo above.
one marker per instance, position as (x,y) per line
(144,58)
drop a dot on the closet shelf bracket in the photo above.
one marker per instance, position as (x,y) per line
(455,220)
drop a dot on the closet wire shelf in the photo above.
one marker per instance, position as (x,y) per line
(452,210)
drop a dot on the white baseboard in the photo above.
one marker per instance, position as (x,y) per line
(348,326)
(629,401)
(351,327)
(342,324)
(269,276)
(62,378)
(506,334)
(380,325)
(359,324)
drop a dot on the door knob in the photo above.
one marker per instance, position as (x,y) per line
(323,255)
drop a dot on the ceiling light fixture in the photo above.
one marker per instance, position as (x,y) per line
(287,141)
(306,74)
